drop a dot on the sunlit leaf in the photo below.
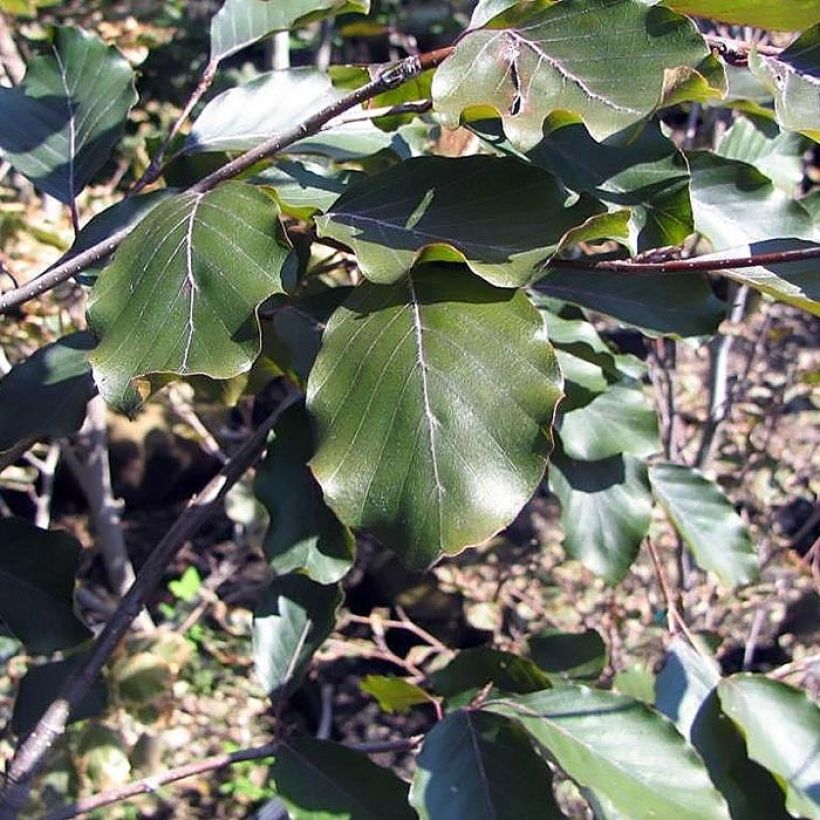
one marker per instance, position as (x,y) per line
(611,63)
(781,726)
(37,569)
(61,122)
(791,15)
(395,695)
(411,443)
(498,215)
(606,508)
(480,766)
(182,292)
(239,23)
(620,748)
(707,521)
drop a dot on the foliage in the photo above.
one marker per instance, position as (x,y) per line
(450,321)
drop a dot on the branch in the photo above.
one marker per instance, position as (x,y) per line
(388,78)
(209,764)
(692,265)
(31,754)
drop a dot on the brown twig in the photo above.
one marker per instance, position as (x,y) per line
(31,754)
(674,619)
(389,77)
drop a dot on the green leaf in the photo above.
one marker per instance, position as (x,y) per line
(182,292)
(620,748)
(574,56)
(303,534)
(734,204)
(243,117)
(621,420)
(42,684)
(37,569)
(239,23)
(669,304)
(687,694)
(411,443)
(302,188)
(569,656)
(61,122)
(186,586)
(47,393)
(707,521)
(606,508)
(291,623)
(781,726)
(636,682)
(500,216)
(794,79)
(321,780)
(648,175)
(794,15)
(479,766)
(473,669)
(776,154)
(395,695)
(124,214)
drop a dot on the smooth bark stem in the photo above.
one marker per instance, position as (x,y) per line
(31,754)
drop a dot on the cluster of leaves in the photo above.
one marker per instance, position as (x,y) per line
(462,368)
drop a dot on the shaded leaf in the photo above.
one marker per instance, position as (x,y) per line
(707,521)
(42,684)
(243,117)
(289,625)
(47,393)
(734,204)
(552,60)
(781,726)
(670,304)
(411,444)
(61,122)
(795,15)
(395,695)
(621,420)
(620,748)
(793,78)
(321,780)
(37,569)
(606,508)
(687,694)
(303,534)
(182,292)
(239,23)
(569,656)
(474,668)
(500,216)
(480,766)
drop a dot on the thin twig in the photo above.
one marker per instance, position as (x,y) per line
(674,619)
(31,754)
(389,77)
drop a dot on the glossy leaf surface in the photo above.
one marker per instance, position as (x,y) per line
(37,569)
(500,216)
(47,394)
(321,780)
(707,521)
(243,117)
(303,534)
(239,23)
(795,15)
(480,766)
(620,748)
(606,508)
(411,444)
(474,668)
(781,726)
(60,124)
(294,618)
(182,292)
(573,56)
